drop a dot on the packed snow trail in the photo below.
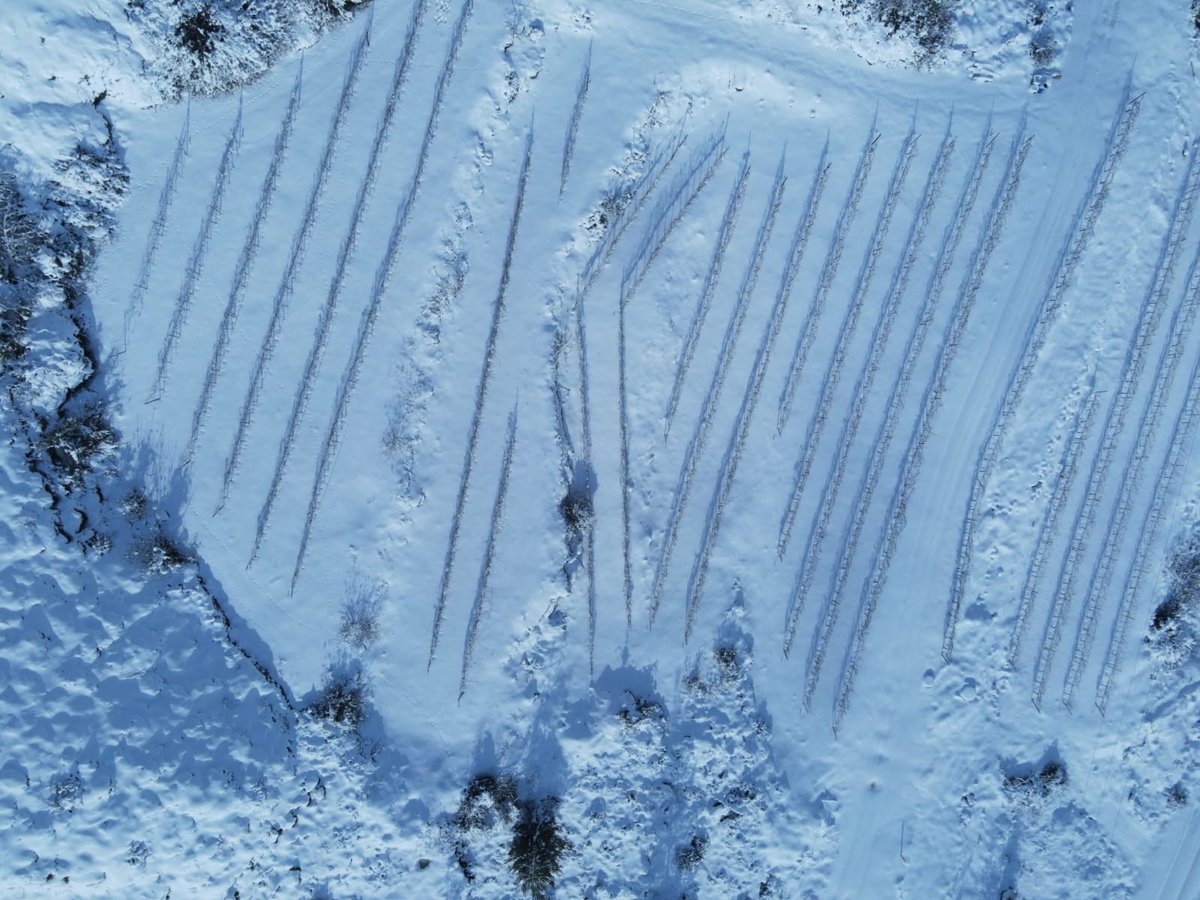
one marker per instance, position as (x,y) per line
(1149,315)
(1078,236)
(810,442)
(287,279)
(489,553)
(930,403)
(733,206)
(241,272)
(195,261)
(829,269)
(880,336)
(698,441)
(887,428)
(485,375)
(346,252)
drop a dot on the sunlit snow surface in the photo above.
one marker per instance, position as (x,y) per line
(889,547)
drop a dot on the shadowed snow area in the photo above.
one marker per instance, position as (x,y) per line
(631,450)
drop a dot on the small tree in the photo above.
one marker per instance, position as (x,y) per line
(537,847)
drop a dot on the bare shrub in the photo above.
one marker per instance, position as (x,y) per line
(359,625)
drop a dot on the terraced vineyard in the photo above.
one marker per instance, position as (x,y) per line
(978,438)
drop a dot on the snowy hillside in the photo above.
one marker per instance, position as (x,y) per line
(632,450)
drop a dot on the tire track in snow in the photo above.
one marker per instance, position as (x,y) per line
(485,374)
(195,262)
(288,277)
(724,234)
(241,273)
(489,553)
(1134,362)
(930,403)
(849,210)
(858,294)
(346,252)
(1078,236)
(877,343)
(895,401)
(696,444)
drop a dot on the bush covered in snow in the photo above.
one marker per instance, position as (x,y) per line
(217,45)
(929,24)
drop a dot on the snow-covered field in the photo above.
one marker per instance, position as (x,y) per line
(693,430)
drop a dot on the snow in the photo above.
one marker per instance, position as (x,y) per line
(460,290)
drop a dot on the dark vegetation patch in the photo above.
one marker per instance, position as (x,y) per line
(159,553)
(535,844)
(343,697)
(80,440)
(1172,617)
(214,46)
(691,854)
(927,24)
(198,32)
(537,847)
(488,799)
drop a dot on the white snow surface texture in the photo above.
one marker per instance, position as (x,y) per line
(762,452)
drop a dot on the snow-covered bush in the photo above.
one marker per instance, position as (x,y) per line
(1183,590)
(359,625)
(66,791)
(159,553)
(19,236)
(342,699)
(1031,781)
(929,24)
(214,46)
(79,442)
